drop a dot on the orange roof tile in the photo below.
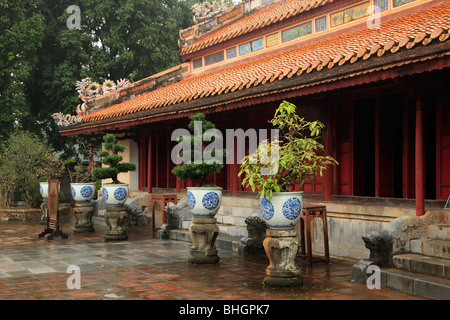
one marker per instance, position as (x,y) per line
(263,18)
(417,29)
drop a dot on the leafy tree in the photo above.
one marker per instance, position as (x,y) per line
(20,37)
(130,39)
(23,161)
(295,158)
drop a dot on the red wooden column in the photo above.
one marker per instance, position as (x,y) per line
(168,161)
(234,172)
(235,165)
(420,182)
(91,156)
(405,152)
(335,151)
(149,165)
(178,185)
(178,180)
(377,147)
(439,120)
(142,155)
(328,178)
(157,162)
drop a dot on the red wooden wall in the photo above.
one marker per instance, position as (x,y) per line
(443,149)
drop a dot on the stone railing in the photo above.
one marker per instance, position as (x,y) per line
(395,239)
(20,214)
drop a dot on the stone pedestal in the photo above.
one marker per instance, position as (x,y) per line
(281,248)
(116,218)
(83,212)
(203,232)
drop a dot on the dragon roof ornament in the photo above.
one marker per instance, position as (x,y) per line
(206,10)
(87,89)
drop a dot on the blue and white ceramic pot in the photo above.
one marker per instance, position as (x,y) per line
(43,188)
(204,202)
(83,192)
(115,194)
(283,210)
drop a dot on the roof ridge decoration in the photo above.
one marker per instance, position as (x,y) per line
(424,28)
(65,120)
(245,17)
(206,10)
(87,89)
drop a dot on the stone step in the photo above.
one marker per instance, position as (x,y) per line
(232,230)
(432,248)
(237,211)
(237,208)
(439,231)
(420,264)
(424,285)
(244,202)
(231,219)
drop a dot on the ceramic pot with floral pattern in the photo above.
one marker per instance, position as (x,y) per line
(204,201)
(283,210)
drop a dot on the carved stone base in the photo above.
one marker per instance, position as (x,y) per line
(359,271)
(83,213)
(281,248)
(116,218)
(203,232)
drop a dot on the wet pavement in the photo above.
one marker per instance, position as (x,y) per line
(145,268)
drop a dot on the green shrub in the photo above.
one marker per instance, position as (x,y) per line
(198,171)
(299,156)
(111,158)
(24,160)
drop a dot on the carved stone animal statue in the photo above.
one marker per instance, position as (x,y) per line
(253,244)
(380,246)
(175,215)
(256,228)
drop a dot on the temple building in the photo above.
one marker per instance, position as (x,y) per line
(375,72)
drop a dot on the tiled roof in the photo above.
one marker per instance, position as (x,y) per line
(405,33)
(257,20)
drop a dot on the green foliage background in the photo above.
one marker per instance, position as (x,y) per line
(24,161)
(41,59)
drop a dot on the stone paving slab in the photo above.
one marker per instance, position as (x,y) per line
(145,268)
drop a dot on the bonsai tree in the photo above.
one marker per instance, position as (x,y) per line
(195,170)
(294,158)
(77,172)
(76,168)
(111,158)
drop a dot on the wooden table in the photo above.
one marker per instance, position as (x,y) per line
(164,200)
(309,213)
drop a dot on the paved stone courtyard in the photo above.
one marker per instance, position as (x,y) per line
(145,268)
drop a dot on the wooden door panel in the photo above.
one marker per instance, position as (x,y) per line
(443,150)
